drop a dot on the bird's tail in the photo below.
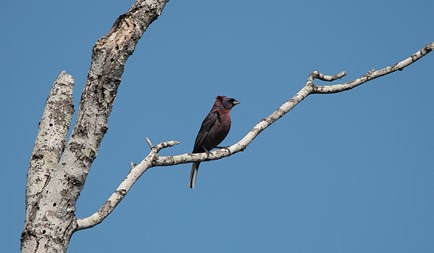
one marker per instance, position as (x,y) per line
(193,175)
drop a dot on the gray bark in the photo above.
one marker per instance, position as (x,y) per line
(58,169)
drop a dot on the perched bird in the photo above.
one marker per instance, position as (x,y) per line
(215,127)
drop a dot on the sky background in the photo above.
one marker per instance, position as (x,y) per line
(349,172)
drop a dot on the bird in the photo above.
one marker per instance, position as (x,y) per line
(215,127)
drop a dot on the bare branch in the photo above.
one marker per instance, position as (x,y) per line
(371,75)
(154,160)
(149,142)
(317,75)
(135,173)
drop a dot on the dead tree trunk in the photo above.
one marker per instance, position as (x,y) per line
(58,168)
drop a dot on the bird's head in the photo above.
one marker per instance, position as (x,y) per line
(226,102)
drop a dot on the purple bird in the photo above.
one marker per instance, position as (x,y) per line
(213,130)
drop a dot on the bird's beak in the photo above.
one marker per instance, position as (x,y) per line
(235,102)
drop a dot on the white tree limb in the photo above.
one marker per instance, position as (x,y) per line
(328,89)
(153,159)
(125,186)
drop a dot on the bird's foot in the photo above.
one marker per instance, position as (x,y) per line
(225,147)
(205,150)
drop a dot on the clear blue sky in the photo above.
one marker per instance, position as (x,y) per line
(350,172)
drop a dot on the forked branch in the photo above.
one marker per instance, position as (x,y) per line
(154,160)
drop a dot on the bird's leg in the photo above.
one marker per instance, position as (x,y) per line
(205,150)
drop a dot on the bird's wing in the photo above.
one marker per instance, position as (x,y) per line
(205,128)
